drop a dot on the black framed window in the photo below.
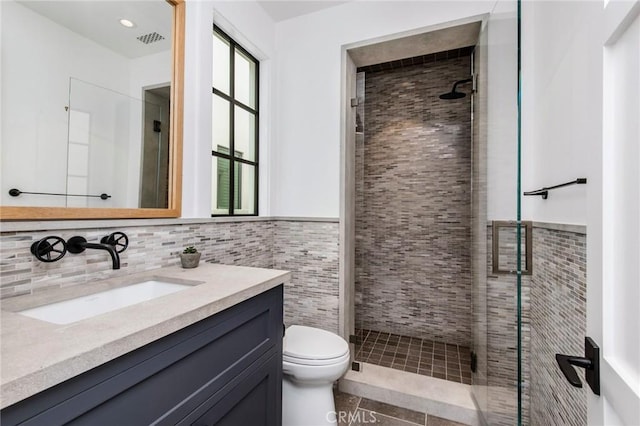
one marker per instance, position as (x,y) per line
(234,147)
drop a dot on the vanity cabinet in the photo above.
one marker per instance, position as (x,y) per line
(223,370)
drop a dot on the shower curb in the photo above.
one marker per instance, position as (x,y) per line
(441,398)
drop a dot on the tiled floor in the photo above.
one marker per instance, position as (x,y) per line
(426,357)
(353,410)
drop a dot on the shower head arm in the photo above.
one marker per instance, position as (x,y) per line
(454,94)
(468,80)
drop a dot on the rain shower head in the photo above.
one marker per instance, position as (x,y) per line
(453,94)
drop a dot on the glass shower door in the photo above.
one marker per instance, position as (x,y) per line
(499,244)
(362,349)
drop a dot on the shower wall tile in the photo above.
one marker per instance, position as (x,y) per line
(500,375)
(502,354)
(553,321)
(309,249)
(558,315)
(418,60)
(413,205)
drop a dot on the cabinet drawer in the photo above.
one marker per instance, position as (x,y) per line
(251,399)
(164,378)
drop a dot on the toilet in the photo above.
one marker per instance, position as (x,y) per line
(312,360)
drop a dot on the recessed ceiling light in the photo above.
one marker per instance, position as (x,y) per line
(127,23)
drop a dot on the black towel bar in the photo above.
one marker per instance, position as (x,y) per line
(544,192)
(16,192)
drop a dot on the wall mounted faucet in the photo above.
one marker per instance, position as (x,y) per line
(113,244)
(77,245)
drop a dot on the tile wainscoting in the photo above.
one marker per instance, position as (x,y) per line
(310,251)
(553,321)
(495,385)
(558,323)
(309,248)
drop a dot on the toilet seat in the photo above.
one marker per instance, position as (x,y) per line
(313,346)
(315,362)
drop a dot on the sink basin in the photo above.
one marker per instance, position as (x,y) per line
(95,304)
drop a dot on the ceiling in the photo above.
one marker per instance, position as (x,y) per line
(98,21)
(282,10)
(416,45)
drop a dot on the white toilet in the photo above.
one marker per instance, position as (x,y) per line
(312,360)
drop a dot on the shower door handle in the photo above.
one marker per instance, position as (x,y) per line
(590,362)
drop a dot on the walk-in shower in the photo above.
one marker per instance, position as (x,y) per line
(413,223)
(426,191)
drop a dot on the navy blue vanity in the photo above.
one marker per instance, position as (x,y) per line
(224,370)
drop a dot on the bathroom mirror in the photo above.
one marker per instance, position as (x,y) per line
(91,109)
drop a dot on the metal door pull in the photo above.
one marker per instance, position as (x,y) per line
(590,362)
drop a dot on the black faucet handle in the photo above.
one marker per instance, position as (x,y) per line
(118,240)
(49,249)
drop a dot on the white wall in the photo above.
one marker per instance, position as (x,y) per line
(249,25)
(306,149)
(562,106)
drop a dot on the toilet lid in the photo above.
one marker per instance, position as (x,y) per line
(313,343)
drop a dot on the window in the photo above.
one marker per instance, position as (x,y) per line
(235,129)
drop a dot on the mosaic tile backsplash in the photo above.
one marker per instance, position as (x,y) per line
(150,247)
(413,205)
(310,251)
(558,325)
(308,248)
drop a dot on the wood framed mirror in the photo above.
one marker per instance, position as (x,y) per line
(80,149)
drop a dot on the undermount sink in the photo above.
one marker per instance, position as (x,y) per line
(95,304)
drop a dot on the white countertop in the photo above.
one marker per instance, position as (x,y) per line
(36,355)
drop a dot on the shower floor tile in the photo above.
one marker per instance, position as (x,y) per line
(435,359)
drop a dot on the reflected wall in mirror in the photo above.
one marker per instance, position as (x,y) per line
(91,105)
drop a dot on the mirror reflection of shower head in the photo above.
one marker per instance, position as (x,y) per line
(453,94)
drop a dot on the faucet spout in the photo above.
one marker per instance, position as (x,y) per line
(79,244)
(115,257)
